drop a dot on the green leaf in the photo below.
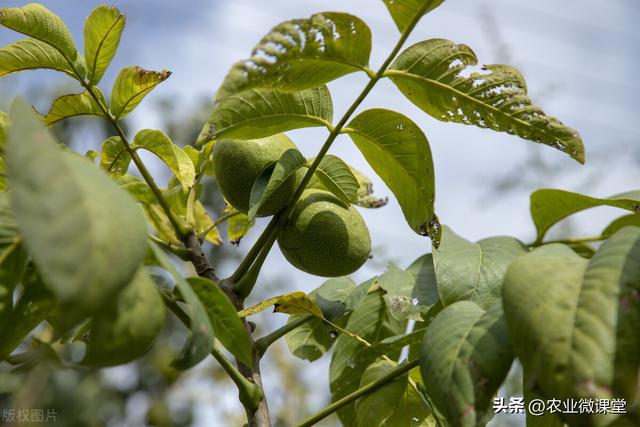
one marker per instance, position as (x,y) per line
(315,337)
(102,31)
(131,86)
(375,408)
(31,54)
(406,11)
(128,326)
(272,179)
(426,289)
(400,286)
(574,322)
(13,260)
(431,74)
(76,223)
(620,223)
(258,113)
(82,104)
(466,355)
(227,326)
(114,157)
(337,177)
(303,53)
(38,22)
(290,303)
(202,338)
(399,152)
(371,321)
(173,156)
(33,306)
(544,420)
(473,271)
(549,206)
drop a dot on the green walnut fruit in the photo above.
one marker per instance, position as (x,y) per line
(238,163)
(323,237)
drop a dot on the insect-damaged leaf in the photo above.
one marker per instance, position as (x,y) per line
(431,75)
(303,53)
(291,303)
(131,86)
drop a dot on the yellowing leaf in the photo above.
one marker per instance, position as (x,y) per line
(114,158)
(161,145)
(82,104)
(131,86)
(291,303)
(102,32)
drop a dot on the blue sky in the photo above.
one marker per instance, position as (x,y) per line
(580,58)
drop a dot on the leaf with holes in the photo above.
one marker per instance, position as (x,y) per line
(337,177)
(272,179)
(258,113)
(549,206)
(399,152)
(82,104)
(131,86)
(173,156)
(114,157)
(202,337)
(291,303)
(303,53)
(59,197)
(128,326)
(227,326)
(574,321)
(400,286)
(102,31)
(31,54)
(473,271)
(466,355)
(404,12)
(431,75)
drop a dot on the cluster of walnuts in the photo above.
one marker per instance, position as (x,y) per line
(322,236)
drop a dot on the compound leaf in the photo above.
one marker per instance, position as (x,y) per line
(82,104)
(258,113)
(303,53)
(548,206)
(173,156)
(399,152)
(431,75)
(76,223)
(102,31)
(131,86)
